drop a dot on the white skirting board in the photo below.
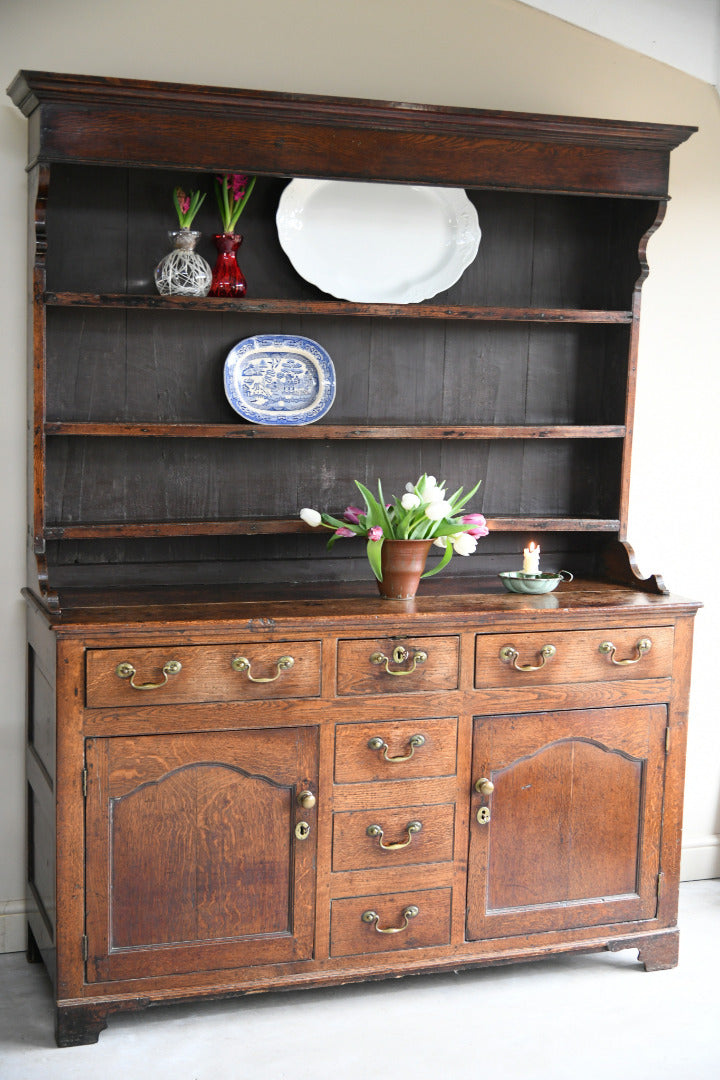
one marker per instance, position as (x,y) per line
(13,922)
(700,858)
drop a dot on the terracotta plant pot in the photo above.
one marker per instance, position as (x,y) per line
(403,562)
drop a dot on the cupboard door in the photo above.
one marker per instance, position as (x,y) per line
(569,835)
(193,857)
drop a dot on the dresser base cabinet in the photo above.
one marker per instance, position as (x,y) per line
(311,823)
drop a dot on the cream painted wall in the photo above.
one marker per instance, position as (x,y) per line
(483,53)
(684,33)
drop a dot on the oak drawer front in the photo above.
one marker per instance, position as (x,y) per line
(395,836)
(390,921)
(172,675)
(395,749)
(573,656)
(397,665)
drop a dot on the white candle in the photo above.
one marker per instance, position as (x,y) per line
(531,559)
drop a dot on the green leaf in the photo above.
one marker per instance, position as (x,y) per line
(376,515)
(374,554)
(241,205)
(338,524)
(387,525)
(465,500)
(447,556)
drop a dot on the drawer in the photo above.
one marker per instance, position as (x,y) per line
(390,921)
(395,749)
(397,665)
(573,656)
(247,670)
(394,836)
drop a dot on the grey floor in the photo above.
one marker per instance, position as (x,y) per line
(580,1017)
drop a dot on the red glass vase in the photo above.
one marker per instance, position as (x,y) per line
(227,277)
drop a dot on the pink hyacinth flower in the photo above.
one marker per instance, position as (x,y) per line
(344,532)
(478,522)
(353,514)
(375,533)
(239,183)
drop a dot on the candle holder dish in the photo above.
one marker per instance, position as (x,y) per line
(518,581)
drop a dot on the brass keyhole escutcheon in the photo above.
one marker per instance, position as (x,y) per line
(302,830)
(399,656)
(483,815)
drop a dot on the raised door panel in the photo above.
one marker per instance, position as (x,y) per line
(193,859)
(569,837)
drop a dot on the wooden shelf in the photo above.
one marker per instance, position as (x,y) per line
(144,302)
(119,429)
(271,526)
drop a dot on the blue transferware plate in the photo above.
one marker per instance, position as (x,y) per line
(279,379)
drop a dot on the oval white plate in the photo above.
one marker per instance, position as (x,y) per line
(279,379)
(377,243)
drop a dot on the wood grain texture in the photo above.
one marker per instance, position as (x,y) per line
(431,926)
(356,762)
(194,851)
(354,849)
(577,794)
(578,657)
(206,674)
(358,673)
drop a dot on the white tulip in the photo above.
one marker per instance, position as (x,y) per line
(441,542)
(437,510)
(410,501)
(464,544)
(311,517)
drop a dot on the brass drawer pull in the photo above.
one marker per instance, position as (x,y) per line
(411,828)
(509,655)
(643,646)
(380,744)
(408,914)
(241,663)
(399,656)
(127,671)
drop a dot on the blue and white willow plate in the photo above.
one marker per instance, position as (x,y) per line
(279,379)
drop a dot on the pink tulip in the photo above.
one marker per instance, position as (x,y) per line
(344,532)
(478,522)
(375,533)
(353,514)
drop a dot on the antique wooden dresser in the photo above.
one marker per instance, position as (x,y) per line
(246,770)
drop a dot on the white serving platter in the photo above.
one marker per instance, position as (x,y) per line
(377,243)
(279,379)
